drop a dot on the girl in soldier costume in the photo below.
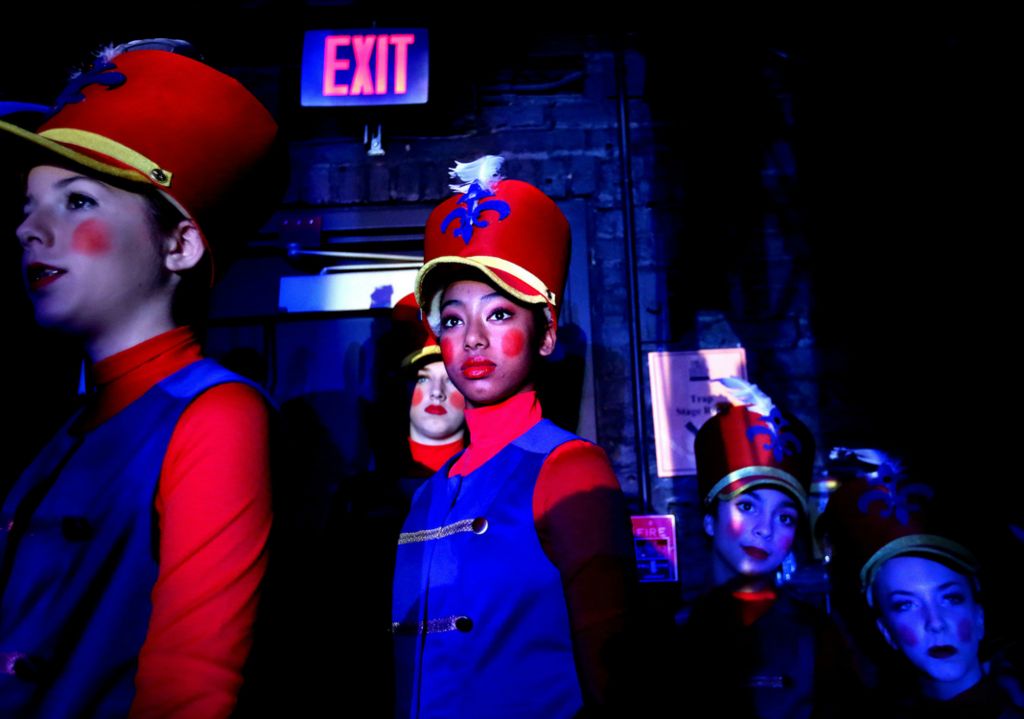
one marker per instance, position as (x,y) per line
(920,584)
(512,566)
(132,549)
(757,648)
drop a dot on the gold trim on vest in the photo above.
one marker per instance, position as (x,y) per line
(433,626)
(477,525)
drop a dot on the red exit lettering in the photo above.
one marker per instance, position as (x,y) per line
(370,54)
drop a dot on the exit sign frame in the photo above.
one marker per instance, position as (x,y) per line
(365,67)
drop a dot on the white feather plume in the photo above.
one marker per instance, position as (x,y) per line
(746,393)
(867,455)
(486,171)
(870,456)
(105,54)
(101,56)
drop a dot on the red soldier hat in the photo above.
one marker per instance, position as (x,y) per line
(877,514)
(753,445)
(409,321)
(507,230)
(159,118)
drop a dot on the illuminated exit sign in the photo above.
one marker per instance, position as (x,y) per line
(378,66)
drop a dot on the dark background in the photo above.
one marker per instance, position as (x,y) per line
(868,264)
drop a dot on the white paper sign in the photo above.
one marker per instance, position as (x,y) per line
(683,397)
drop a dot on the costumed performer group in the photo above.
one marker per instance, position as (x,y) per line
(133,549)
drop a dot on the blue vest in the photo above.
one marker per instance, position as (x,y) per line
(76,603)
(479,616)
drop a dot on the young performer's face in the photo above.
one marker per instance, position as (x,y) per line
(437,409)
(751,533)
(489,342)
(928,612)
(91,254)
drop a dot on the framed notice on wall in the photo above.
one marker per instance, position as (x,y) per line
(683,396)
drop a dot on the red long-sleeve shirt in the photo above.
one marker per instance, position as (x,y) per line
(213,503)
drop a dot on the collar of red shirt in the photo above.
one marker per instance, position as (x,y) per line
(491,428)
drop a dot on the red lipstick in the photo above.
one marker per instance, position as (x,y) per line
(39,275)
(477,368)
(755,553)
(942,651)
(435,409)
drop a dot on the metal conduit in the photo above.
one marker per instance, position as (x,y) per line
(626,164)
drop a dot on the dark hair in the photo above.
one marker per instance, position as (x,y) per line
(192,295)
(162,212)
(540,322)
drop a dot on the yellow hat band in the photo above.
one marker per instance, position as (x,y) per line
(414,357)
(487,265)
(110,148)
(760,476)
(528,278)
(927,544)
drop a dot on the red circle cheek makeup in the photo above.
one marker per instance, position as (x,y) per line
(908,637)
(735,527)
(457,400)
(90,238)
(513,342)
(965,630)
(447,349)
(417,396)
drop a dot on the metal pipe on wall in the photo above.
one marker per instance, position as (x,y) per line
(636,365)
